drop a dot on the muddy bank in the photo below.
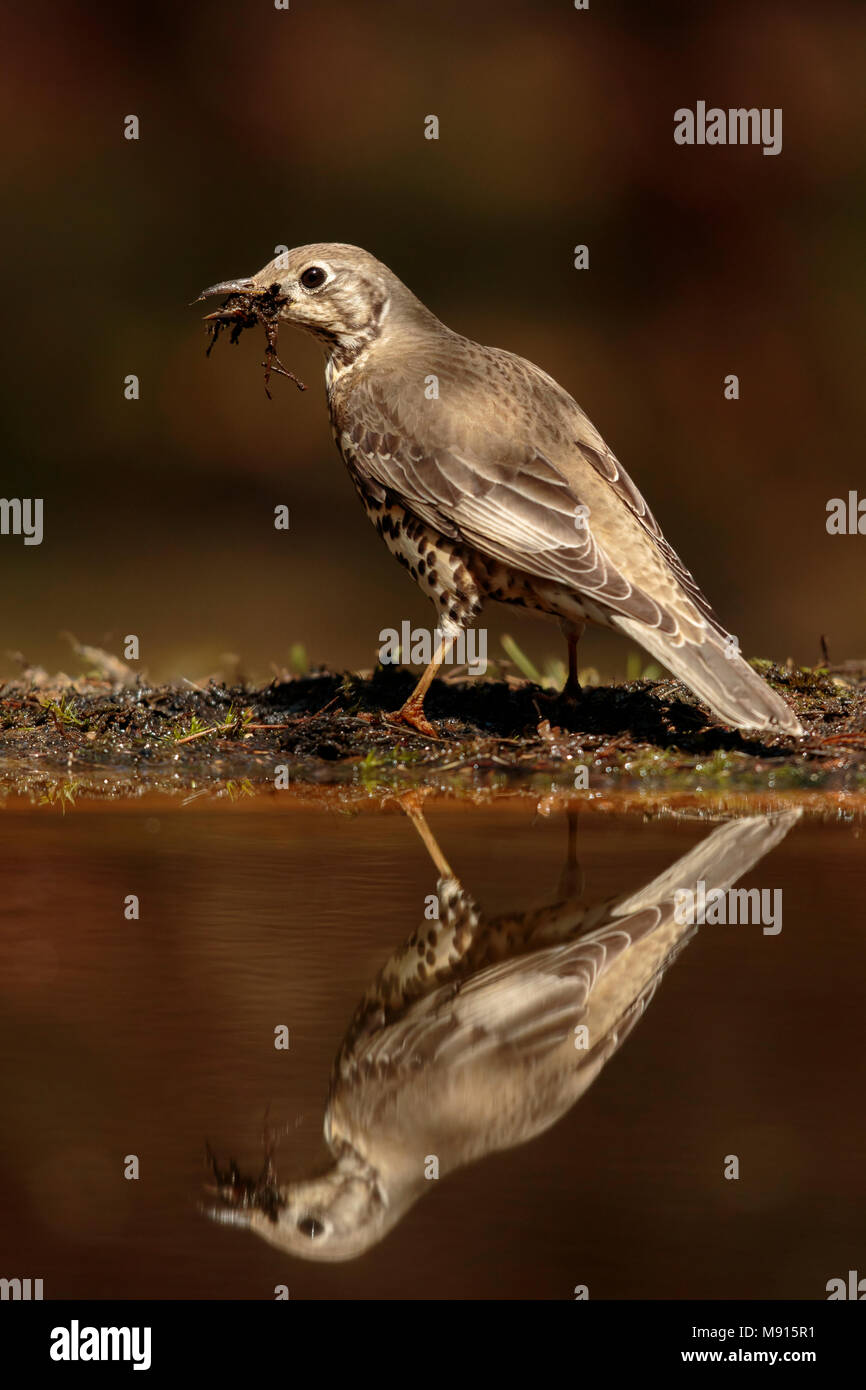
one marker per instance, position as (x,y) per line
(62,739)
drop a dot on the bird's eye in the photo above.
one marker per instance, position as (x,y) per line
(312,277)
(309,1226)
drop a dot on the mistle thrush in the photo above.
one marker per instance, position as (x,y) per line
(478,1034)
(487,481)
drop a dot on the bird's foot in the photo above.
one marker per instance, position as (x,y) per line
(571,690)
(413,714)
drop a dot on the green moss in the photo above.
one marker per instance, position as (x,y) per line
(61,710)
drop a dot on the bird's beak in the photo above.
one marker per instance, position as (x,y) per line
(226,287)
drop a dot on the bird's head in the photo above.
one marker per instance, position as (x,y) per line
(340,293)
(336,1215)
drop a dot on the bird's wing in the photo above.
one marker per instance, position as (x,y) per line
(500,492)
(527,1005)
(608,466)
(512,468)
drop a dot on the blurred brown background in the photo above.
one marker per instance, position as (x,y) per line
(261,127)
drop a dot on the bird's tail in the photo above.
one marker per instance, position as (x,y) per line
(719,676)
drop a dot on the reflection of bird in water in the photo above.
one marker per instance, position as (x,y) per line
(479,1034)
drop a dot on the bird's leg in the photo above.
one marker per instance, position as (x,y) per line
(572,880)
(573,632)
(412,712)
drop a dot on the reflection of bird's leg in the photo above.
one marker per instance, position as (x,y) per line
(450,935)
(573,632)
(413,810)
(572,881)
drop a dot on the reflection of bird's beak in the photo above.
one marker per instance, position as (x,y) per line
(228,287)
(228,1216)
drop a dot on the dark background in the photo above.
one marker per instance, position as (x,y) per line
(261,127)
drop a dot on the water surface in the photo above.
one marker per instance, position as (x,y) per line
(151,1037)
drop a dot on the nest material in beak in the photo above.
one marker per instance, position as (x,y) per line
(238,1196)
(244,308)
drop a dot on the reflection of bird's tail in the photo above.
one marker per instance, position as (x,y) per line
(719,860)
(643,926)
(717,673)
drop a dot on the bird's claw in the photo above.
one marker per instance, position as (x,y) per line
(411,716)
(414,716)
